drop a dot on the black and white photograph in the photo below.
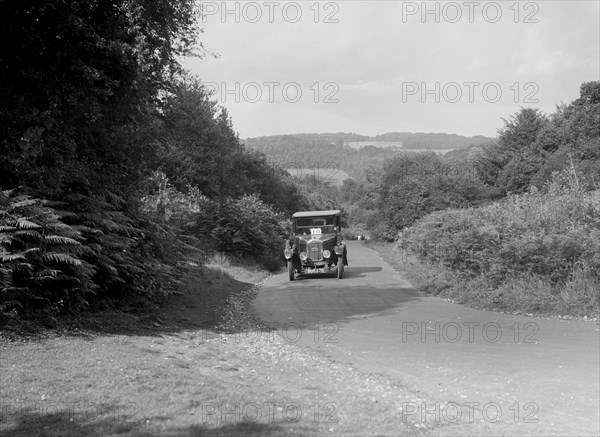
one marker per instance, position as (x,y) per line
(354,218)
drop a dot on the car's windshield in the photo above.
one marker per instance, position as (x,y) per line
(315,225)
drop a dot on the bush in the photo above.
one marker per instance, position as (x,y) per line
(166,204)
(348,234)
(244,226)
(553,235)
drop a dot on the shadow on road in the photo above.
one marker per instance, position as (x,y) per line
(32,424)
(322,299)
(359,272)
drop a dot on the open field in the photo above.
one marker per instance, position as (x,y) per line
(333,176)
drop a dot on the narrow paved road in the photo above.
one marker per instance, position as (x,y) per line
(508,375)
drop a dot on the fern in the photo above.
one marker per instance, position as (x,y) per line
(8,257)
(48,272)
(58,239)
(24,223)
(32,239)
(83,247)
(34,235)
(24,203)
(62,258)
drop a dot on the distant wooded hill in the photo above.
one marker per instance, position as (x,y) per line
(408,140)
(422,140)
(353,152)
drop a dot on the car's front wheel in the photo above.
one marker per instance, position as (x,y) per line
(291,270)
(340,269)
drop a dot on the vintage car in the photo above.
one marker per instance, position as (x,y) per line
(315,245)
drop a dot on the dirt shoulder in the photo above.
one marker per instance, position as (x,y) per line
(196,364)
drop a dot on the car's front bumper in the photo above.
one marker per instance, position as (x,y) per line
(314,264)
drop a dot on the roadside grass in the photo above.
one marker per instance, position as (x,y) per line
(196,364)
(526,293)
(219,263)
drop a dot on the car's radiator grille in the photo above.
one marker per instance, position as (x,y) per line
(315,250)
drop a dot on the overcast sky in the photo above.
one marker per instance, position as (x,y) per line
(372,67)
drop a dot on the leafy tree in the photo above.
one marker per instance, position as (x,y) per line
(516,176)
(257,175)
(589,94)
(77,81)
(198,145)
(572,137)
(414,185)
(501,163)
(199,148)
(81,85)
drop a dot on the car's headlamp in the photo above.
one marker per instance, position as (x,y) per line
(326,253)
(303,256)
